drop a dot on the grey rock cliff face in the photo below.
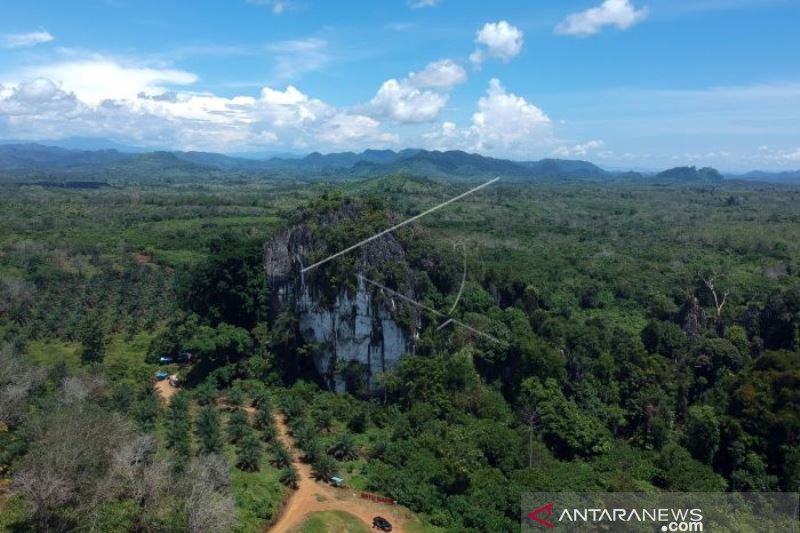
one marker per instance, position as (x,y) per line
(692,318)
(356,327)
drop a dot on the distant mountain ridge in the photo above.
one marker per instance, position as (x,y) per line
(775,177)
(35,161)
(453,165)
(33,156)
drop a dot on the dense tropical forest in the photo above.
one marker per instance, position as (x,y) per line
(645,336)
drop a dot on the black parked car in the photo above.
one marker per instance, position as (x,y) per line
(381,523)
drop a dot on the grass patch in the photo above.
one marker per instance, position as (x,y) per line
(416,525)
(51,352)
(177,258)
(13,514)
(630,321)
(332,522)
(125,359)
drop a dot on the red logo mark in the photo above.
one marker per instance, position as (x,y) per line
(534,515)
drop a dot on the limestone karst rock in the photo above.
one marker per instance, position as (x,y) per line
(359,330)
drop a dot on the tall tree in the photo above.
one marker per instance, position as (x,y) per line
(178,423)
(208,431)
(281,457)
(702,433)
(323,420)
(263,418)
(344,448)
(289,477)
(235,397)
(206,393)
(148,406)
(238,426)
(248,455)
(93,341)
(324,466)
(530,416)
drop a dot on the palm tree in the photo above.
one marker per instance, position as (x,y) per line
(325,467)
(344,449)
(249,453)
(208,431)
(289,477)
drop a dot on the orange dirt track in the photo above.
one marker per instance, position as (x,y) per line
(312,496)
(165,390)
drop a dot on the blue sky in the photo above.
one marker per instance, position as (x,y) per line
(624,83)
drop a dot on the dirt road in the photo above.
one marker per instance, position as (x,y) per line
(165,390)
(312,496)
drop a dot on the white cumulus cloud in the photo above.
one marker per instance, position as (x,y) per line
(295,57)
(347,130)
(579,150)
(98,78)
(148,105)
(505,121)
(619,13)
(790,155)
(416,4)
(442,74)
(793,155)
(151,112)
(21,40)
(402,102)
(276,6)
(504,124)
(421,96)
(498,40)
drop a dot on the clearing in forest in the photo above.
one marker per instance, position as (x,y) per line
(313,496)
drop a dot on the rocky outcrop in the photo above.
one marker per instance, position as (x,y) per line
(706,174)
(691,317)
(357,330)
